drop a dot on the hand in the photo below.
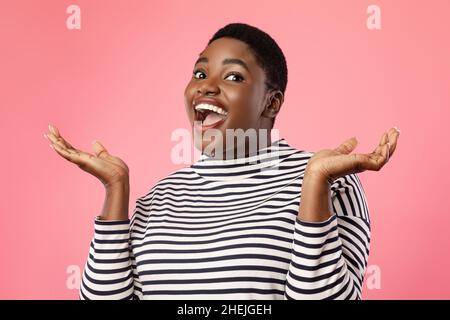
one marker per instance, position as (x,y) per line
(110,170)
(330,164)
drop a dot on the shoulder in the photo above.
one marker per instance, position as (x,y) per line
(290,156)
(175,179)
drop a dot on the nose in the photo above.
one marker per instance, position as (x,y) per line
(208,86)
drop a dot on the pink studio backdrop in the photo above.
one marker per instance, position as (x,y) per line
(120,79)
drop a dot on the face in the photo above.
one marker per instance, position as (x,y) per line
(226,75)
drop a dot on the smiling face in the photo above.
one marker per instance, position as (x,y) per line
(227,75)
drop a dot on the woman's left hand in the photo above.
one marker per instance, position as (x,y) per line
(330,164)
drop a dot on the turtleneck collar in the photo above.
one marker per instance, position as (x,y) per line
(265,158)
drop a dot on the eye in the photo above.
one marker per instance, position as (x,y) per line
(237,75)
(195,73)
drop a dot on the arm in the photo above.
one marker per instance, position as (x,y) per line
(330,248)
(110,270)
(332,231)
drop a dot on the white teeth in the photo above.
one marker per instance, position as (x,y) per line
(211,107)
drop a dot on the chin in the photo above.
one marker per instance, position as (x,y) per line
(207,143)
(206,146)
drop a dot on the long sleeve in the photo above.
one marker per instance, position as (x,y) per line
(329,258)
(110,270)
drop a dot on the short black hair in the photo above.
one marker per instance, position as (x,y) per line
(267,52)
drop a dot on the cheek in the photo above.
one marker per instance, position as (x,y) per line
(245,108)
(243,117)
(188,95)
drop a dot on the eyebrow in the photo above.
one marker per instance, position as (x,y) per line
(226,61)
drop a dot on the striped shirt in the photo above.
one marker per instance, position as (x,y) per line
(229,229)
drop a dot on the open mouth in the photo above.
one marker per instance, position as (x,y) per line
(209,115)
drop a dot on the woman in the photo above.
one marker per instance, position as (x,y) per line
(272,222)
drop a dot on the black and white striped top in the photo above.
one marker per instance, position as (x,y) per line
(229,229)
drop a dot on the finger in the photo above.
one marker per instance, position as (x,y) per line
(76,156)
(54,141)
(72,157)
(383,158)
(99,150)
(60,142)
(393,138)
(53,130)
(384,139)
(70,154)
(372,161)
(347,146)
(385,153)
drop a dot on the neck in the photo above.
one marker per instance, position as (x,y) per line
(243,150)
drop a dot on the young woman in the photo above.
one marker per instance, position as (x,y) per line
(275,223)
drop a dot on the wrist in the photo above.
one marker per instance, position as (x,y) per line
(118,187)
(116,202)
(315,177)
(315,204)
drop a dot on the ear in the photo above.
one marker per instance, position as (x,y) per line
(274,100)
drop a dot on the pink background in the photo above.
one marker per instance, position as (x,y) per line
(120,79)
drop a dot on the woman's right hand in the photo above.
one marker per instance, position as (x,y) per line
(110,170)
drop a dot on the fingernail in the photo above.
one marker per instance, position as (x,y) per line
(51,128)
(45,136)
(51,146)
(397,129)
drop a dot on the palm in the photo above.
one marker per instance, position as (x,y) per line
(334,163)
(106,167)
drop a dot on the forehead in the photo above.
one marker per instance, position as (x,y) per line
(225,48)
